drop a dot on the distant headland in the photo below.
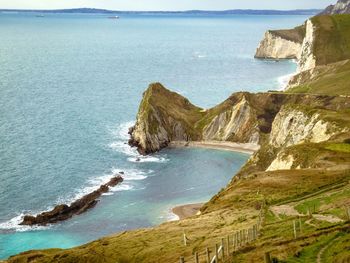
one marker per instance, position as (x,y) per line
(188,12)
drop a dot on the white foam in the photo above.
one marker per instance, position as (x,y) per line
(148,159)
(121,131)
(283,81)
(122,187)
(13,224)
(133,174)
(121,145)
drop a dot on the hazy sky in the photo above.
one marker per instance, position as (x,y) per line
(167,4)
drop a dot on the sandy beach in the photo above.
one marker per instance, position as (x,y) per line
(248,148)
(185,211)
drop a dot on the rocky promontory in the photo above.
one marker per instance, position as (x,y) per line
(281,44)
(63,212)
(272,120)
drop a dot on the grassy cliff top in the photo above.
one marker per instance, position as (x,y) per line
(332,38)
(296,34)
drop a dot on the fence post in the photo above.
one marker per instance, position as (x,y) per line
(208,255)
(216,253)
(182,260)
(295,230)
(185,239)
(267,257)
(196,257)
(300,227)
(228,245)
(222,248)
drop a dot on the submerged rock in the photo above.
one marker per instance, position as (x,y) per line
(63,212)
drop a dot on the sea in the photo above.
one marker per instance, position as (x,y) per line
(70,87)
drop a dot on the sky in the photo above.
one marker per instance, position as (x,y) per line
(161,5)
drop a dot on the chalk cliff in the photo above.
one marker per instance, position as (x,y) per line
(277,46)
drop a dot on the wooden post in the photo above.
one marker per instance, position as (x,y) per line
(222,248)
(216,253)
(182,260)
(208,255)
(300,228)
(295,230)
(196,257)
(185,239)
(228,245)
(267,257)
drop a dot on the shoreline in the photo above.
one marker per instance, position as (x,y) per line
(247,148)
(187,210)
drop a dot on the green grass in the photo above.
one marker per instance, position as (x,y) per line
(332,41)
(339,147)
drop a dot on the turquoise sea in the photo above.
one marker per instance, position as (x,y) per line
(70,86)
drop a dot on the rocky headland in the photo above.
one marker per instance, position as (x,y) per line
(63,211)
(320,47)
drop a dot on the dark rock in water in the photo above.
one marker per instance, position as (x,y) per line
(63,212)
(121,172)
(138,159)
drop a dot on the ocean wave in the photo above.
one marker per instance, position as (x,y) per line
(122,187)
(14,225)
(120,145)
(148,159)
(283,81)
(133,174)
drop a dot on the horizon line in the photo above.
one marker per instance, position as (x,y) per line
(155,11)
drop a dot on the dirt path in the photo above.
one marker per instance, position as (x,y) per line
(327,218)
(286,210)
(320,253)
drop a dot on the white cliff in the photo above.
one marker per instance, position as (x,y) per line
(281,163)
(306,57)
(233,122)
(274,46)
(293,126)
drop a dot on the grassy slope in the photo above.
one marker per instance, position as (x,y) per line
(234,208)
(296,34)
(332,53)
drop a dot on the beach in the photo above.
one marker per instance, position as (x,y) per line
(248,148)
(185,211)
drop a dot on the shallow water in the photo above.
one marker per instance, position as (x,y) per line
(70,86)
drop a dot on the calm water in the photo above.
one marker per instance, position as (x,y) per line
(70,86)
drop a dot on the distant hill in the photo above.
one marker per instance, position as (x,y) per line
(341,7)
(203,12)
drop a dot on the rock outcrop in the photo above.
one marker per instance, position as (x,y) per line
(163,116)
(63,212)
(341,7)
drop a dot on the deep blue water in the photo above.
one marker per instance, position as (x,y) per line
(70,86)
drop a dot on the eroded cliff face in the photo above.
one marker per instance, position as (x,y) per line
(273,120)
(307,58)
(274,46)
(294,126)
(237,123)
(163,116)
